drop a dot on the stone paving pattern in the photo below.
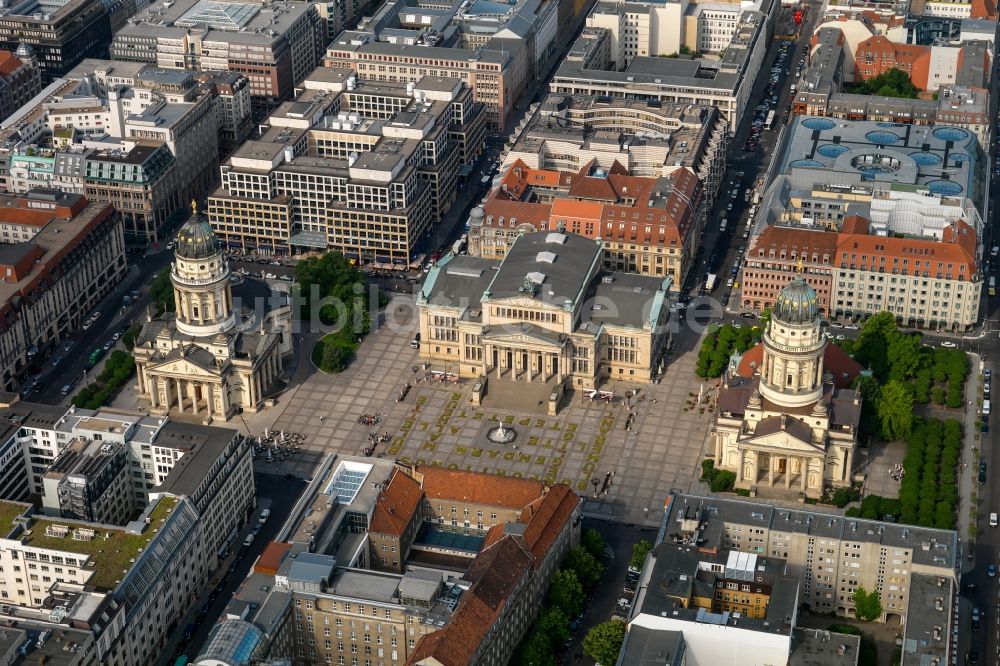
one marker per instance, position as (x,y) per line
(436,424)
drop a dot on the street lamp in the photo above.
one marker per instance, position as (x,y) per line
(595,481)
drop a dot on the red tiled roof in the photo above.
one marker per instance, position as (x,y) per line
(396,505)
(271,558)
(835,361)
(794,242)
(495,573)
(957,247)
(477,488)
(8,63)
(545,518)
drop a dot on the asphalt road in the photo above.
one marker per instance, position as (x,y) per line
(722,248)
(113,317)
(279,495)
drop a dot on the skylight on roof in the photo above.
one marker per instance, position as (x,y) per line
(231,16)
(347,481)
(555,237)
(547,257)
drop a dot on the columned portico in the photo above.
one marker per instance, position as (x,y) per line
(788,471)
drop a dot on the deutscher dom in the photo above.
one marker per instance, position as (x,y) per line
(786,420)
(212,357)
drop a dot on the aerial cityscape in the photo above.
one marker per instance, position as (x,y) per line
(487,332)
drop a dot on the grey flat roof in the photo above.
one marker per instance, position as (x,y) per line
(928,619)
(202,445)
(930,547)
(626,301)
(651,647)
(458,281)
(365,584)
(817,647)
(563,262)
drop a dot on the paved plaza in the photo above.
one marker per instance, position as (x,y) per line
(436,424)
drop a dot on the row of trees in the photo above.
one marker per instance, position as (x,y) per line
(928,493)
(161,292)
(117,370)
(567,594)
(720,344)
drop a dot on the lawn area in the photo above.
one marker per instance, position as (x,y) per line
(8,512)
(109,556)
(333,352)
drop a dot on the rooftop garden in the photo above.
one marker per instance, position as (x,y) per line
(8,512)
(110,556)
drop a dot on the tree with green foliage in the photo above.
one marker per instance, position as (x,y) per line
(639,552)
(592,540)
(895,411)
(604,641)
(566,592)
(870,392)
(553,623)
(534,650)
(586,567)
(161,292)
(334,357)
(724,481)
(892,83)
(129,336)
(867,605)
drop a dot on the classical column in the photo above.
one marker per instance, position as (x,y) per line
(805,473)
(770,470)
(179,395)
(850,465)
(741,473)
(788,472)
(251,398)
(193,392)
(208,398)
(211,304)
(529,369)
(257,388)
(151,385)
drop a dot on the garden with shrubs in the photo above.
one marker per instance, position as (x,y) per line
(117,370)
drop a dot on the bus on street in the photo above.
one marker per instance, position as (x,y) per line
(769,123)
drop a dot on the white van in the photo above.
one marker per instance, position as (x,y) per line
(722,227)
(986,407)
(993,519)
(264,515)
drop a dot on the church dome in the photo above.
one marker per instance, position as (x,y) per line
(196,240)
(796,303)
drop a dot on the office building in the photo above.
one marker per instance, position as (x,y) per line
(785,417)
(60,33)
(648,226)
(623,52)
(859,271)
(496,49)
(914,570)
(274,44)
(60,255)
(140,138)
(649,138)
(928,67)
(231,98)
(210,358)
(400,565)
(125,586)
(20,79)
(363,168)
(547,313)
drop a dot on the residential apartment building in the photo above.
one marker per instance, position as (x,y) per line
(61,256)
(928,67)
(779,254)
(649,138)
(610,59)
(648,226)
(496,50)
(20,79)
(361,569)
(231,97)
(126,586)
(274,44)
(360,167)
(914,570)
(88,482)
(60,33)
(547,313)
(141,138)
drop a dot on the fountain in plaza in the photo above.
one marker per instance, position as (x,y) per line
(501,434)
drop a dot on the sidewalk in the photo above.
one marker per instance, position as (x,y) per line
(968,503)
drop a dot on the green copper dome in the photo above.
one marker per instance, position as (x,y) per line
(196,240)
(796,303)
